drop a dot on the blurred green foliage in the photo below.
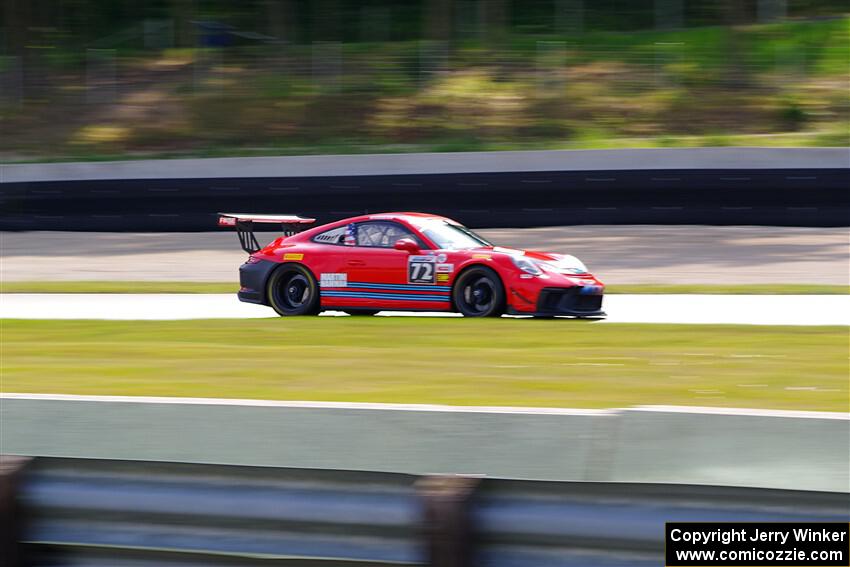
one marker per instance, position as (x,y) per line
(116,23)
(100,80)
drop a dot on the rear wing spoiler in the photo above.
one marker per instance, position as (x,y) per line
(244,225)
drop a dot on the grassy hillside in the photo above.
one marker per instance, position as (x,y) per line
(761,85)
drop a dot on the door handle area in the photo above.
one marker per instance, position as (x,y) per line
(356,263)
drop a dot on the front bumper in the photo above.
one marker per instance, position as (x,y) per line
(577,301)
(252,281)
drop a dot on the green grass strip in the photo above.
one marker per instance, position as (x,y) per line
(513,362)
(118,287)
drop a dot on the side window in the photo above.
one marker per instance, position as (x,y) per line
(332,236)
(381,234)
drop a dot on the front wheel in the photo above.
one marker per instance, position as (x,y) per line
(292,290)
(478,292)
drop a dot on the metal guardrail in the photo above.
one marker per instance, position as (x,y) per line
(210,511)
(87,512)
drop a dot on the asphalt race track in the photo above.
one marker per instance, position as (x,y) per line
(687,309)
(617,254)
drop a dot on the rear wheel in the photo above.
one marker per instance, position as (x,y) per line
(292,290)
(361,312)
(478,292)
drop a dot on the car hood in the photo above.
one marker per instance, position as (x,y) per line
(564,263)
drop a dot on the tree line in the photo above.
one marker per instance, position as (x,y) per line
(79,24)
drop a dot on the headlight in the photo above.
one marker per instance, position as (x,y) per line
(526,265)
(568,264)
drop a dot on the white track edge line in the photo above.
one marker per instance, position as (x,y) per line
(423,407)
(304,404)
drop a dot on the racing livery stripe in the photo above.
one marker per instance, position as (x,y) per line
(394,296)
(400,287)
(393,291)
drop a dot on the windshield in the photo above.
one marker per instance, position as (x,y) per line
(452,236)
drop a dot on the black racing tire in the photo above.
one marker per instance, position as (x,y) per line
(478,292)
(361,312)
(292,290)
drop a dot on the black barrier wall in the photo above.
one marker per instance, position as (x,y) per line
(781,197)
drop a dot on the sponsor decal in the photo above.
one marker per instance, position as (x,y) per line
(293,256)
(445,268)
(441,258)
(481,256)
(226,221)
(333,280)
(350,235)
(525,276)
(443,277)
(420,269)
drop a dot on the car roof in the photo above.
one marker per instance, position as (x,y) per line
(410,217)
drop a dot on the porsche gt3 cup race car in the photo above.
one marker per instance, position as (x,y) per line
(405,262)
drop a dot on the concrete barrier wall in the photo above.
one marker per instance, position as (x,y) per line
(428,163)
(798,450)
(801,450)
(721,186)
(553,445)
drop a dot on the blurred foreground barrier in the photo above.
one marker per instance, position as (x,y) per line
(714,446)
(722,186)
(12,518)
(86,512)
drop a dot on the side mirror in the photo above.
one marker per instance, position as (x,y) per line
(406,244)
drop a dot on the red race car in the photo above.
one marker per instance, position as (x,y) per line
(405,262)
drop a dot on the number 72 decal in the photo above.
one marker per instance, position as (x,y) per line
(420,269)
